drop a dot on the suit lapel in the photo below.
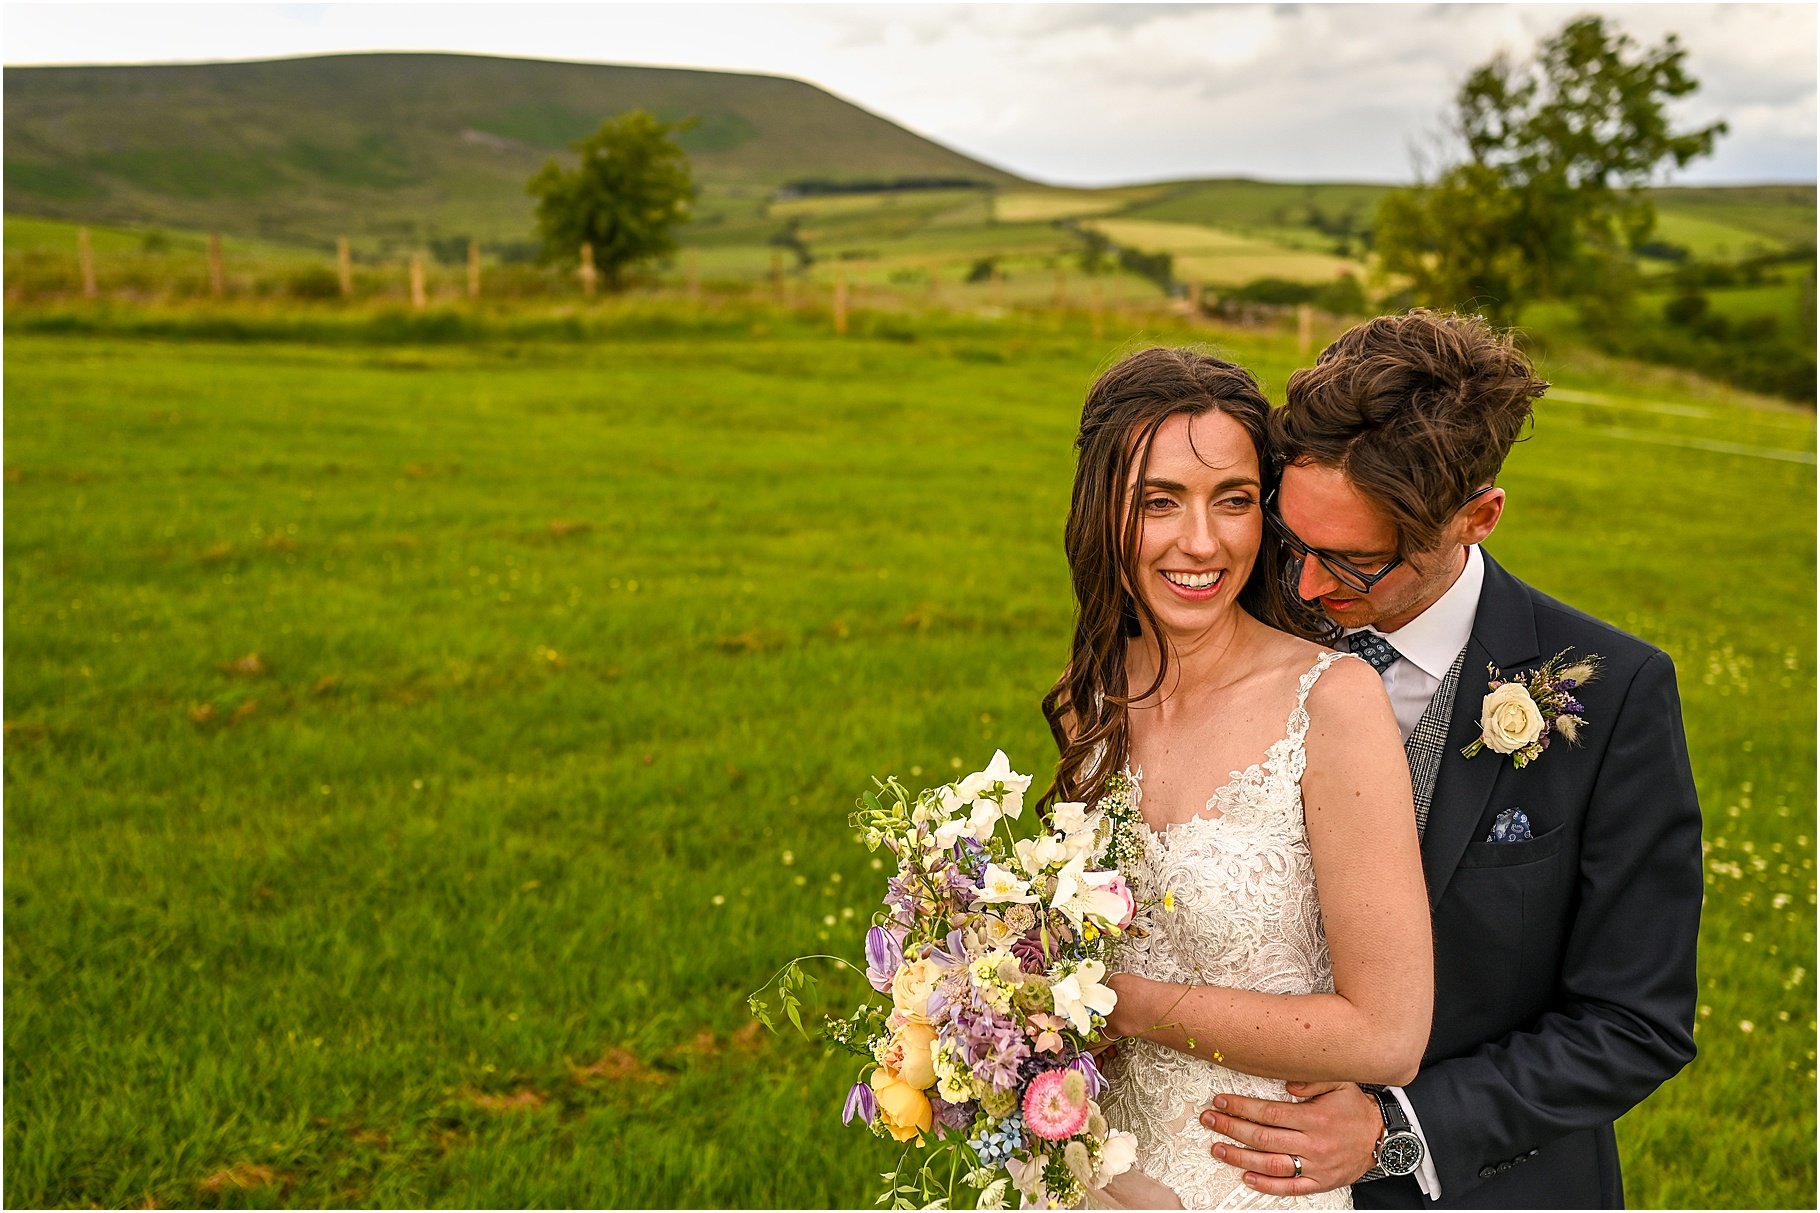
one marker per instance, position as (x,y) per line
(1504,635)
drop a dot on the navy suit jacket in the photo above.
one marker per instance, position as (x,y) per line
(1564,965)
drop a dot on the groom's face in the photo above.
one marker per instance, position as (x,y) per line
(1329,514)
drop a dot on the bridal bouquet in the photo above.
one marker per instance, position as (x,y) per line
(992,950)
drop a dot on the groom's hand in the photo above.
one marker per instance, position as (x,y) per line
(1335,1134)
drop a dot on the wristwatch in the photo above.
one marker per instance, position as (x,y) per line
(1400,1149)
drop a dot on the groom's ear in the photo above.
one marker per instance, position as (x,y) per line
(1481,517)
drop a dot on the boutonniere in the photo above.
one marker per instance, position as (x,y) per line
(1522,715)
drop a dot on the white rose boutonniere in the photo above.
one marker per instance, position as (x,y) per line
(1511,719)
(1521,715)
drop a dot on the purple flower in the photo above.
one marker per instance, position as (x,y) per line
(951,1115)
(884,953)
(901,901)
(969,857)
(1089,1070)
(954,954)
(1029,952)
(861,1103)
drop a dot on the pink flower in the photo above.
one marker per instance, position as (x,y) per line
(1055,1104)
(1047,1038)
(1118,888)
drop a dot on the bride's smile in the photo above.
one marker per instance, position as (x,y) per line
(1198,512)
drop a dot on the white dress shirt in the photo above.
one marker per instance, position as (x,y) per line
(1427,645)
(1426,649)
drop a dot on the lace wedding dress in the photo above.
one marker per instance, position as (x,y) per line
(1246,916)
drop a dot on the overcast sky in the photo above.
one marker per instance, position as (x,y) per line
(1085,94)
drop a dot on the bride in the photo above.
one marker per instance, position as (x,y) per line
(1270,774)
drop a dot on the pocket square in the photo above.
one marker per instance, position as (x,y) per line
(1512,825)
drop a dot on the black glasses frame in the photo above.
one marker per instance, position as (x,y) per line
(1347,575)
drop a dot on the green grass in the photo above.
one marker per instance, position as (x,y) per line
(571,657)
(1249,205)
(1777,216)
(1219,257)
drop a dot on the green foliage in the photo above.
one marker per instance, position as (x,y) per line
(314,282)
(626,198)
(789,983)
(1549,200)
(1341,297)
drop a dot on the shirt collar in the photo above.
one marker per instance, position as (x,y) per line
(1434,638)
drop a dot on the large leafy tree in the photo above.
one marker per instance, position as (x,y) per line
(626,198)
(1546,199)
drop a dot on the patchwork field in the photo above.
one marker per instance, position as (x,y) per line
(416,749)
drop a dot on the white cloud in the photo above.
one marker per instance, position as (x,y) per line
(1087,93)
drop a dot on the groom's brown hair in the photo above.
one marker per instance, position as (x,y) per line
(1418,411)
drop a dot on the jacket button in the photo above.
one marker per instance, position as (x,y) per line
(1487,1172)
(1533,1152)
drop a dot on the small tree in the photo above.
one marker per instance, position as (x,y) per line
(1548,201)
(626,198)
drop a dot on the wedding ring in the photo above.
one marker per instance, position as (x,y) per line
(1297,1160)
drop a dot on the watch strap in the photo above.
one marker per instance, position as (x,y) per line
(1392,1110)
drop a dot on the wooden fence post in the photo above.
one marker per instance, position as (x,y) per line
(1099,320)
(344,267)
(840,301)
(85,256)
(1197,295)
(1304,329)
(473,269)
(217,277)
(588,275)
(419,297)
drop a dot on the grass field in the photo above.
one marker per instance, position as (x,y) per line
(416,750)
(1222,258)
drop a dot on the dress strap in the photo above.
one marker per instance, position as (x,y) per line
(1298,719)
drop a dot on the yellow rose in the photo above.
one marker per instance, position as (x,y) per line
(911,988)
(904,1109)
(916,1041)
(1510,719)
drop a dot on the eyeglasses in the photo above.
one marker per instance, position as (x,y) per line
(1348,575)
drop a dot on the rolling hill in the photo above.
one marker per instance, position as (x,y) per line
(405,146)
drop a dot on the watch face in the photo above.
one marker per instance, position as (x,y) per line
(1400,1154)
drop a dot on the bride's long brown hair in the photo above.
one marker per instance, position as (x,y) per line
(1088,707)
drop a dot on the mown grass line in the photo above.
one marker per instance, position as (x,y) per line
(571,656)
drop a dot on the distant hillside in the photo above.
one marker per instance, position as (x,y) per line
(404,146)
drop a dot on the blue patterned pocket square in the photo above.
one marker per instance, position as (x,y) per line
(1512,825)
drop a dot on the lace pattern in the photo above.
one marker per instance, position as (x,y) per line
(1246,916)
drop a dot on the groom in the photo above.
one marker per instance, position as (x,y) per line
(1566,892)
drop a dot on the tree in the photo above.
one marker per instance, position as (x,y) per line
(631,190)
(1547,200)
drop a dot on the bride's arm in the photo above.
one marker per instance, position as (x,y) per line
(1374,904)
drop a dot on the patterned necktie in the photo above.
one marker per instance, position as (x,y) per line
(1374,649)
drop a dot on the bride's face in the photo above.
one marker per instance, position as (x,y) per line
(1199,510)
